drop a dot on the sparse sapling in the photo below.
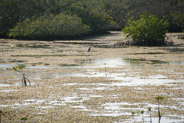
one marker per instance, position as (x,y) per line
(133,114)
(19,68)
(24,119)
(149,109)
(142,112)
(158,98)
(1,112)
(105,70)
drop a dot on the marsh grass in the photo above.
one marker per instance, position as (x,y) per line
(55,99)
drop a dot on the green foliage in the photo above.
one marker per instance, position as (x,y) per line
(14,11)
(147,30)
(95,15)
(98,15)
(149,109)
(178,15)
(50,26)
(38,19)
(142,112)
(7,16)
(18,67)
(132,112)
(23,118)
(159,98)
(178,18)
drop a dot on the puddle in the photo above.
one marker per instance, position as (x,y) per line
(177,62)
(97,63)
(56,103)
(70,101)
(119,106)
(136,81)
(29,102)
(46,107)
(74,99)
(163,119)
(81,108)
(125,108)
(116,62)
(111,114)
(128,81)
(4,85)
(8,90)
(39,67)
(6,65)
(69,84)
(96,96)
(91,64)
(84,89)
(4,105)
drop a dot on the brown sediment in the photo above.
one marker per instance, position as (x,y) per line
(69,84)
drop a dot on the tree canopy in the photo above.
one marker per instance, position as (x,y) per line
(147,30)
(90,16)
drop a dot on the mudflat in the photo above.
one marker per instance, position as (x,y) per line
(70,84)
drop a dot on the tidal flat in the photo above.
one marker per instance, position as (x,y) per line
(70,84)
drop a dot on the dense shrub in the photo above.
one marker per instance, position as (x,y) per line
(50,26)
(99,15)
(148,30)
(92,13)
(178,18)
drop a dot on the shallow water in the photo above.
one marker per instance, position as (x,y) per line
(8,90)
(91,66)
(4,85)
(163,120)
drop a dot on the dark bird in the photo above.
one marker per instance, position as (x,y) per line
(89,49)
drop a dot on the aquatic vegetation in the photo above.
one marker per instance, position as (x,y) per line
(149,110)
(142,112)
(24,119)
(133,115)
(74,88)
(159,98)
(20,68)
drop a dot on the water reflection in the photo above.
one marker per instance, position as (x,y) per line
(116,62)
(43,72)
(145,61)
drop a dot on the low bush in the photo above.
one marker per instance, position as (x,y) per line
(49,27)
(148,30)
